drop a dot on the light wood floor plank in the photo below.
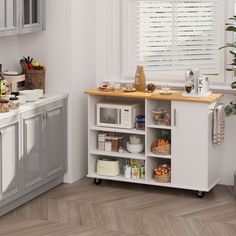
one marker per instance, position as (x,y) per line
(123,209)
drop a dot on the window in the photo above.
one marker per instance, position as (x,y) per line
(169,36)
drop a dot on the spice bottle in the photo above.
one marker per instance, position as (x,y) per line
(4,106)
(14,103)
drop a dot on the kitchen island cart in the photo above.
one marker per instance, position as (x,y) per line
(190,160)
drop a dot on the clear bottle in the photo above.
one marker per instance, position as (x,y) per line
(189,80)
(2,83)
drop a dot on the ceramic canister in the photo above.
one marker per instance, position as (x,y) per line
(203,84)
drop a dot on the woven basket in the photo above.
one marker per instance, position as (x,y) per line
(34,79)
(162,150)
(163,178)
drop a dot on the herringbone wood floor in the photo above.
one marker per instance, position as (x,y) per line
(119,209)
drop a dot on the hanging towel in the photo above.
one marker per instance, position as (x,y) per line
(218,124)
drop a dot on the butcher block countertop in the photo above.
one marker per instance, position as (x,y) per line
(175,96)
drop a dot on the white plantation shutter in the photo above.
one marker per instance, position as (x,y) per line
(169,36)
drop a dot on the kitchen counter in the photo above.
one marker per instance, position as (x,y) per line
(47,98)
(32,160)
(175,96)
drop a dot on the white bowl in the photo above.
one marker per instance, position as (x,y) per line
(30,95)
(135,148)
(40,92)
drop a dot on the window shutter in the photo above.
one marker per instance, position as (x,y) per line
(173,35)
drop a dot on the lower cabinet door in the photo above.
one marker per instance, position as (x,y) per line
(190,145)
(33,149)
(55,139)
(9,159)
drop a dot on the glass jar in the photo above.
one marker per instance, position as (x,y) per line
(14,103)
(4,106)
(158,116)
(167,119)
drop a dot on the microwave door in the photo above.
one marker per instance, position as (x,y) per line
(110,116)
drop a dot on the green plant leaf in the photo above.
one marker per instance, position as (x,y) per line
(228,110)
(229,69)
(234,53)
(231,28)
(233,85)
(228,45)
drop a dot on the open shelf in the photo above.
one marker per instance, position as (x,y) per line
(125,131)
(159,127)
(116,178)
(159,156)
(124,154)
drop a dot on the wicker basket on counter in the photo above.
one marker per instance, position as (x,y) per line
(34,79)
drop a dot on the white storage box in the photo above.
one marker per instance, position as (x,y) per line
(108,167)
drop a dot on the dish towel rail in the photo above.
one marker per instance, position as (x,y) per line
(218,124)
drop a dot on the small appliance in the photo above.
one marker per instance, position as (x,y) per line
(17,80)
(118,114)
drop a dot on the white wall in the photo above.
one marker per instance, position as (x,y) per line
(67,48)
(9,53)
(83,77)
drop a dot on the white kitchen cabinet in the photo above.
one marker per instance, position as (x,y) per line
(56,146)
(32,15)
(9,159)
(33,148)
(9,17)
(21,16)
(194,159)
(192,147)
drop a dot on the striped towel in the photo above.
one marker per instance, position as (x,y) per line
(219,125)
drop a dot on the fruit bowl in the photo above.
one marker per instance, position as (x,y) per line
(135,148)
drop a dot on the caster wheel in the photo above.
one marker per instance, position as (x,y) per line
(200,194)
(97,181)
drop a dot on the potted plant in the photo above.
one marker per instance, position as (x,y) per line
(231,27)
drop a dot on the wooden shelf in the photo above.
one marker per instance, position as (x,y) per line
(125,131)
(159,156)
(124,154)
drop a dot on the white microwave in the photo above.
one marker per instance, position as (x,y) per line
(118,115)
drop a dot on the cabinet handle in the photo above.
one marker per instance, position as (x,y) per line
(175,117)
